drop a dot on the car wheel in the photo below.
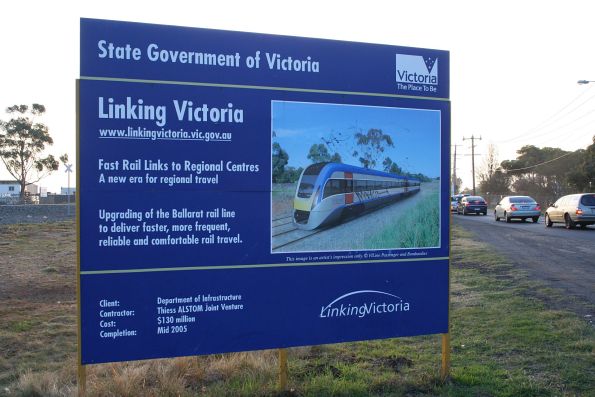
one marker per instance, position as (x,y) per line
(535,219)
(496,217)
(508,220)
(548,221)
(568,223)
(484,213)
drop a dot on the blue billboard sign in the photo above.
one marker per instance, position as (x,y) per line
(243,191)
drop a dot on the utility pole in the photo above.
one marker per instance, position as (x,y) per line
(68,171)
(454,171)
(473,138)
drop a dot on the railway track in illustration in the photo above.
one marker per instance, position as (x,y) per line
(284,232)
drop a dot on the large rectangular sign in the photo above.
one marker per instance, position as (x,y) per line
(242,191)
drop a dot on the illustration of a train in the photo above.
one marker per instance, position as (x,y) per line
(327,192)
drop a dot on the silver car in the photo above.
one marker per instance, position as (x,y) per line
(519,207)
(572,210)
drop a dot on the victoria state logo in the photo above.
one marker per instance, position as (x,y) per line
(416,69)
(365,303)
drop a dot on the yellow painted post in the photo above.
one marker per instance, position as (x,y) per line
(445,362)
(82,380)
(81,371)
(445,367)
(282,370)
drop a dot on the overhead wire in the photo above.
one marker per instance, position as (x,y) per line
(537,165)
(538,130)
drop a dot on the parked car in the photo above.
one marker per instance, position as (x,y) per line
(519,207)
(453,204)
(472,205)
(455,200)
(572,210)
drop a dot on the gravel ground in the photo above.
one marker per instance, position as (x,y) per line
(36,213)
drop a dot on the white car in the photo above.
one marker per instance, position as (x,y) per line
(517,207)
(572,210)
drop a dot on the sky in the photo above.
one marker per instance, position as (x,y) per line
(514,64)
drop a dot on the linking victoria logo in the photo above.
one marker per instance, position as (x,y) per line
(364,303)
(416,69)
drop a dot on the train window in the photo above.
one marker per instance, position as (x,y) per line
(348,186)
(314,169)
(359,185)
(332,187)
(338,186)
(306,186)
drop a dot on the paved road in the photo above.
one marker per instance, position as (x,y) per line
(563,259)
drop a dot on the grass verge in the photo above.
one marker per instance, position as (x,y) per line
(506,340)
(416,228)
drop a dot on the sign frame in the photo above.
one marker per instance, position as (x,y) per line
(94,77)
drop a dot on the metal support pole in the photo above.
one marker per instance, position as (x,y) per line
(68,171)
(68,193)
(282,370)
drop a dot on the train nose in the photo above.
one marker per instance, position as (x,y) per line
(301,210)
(301,217)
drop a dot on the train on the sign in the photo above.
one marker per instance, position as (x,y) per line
(328,192)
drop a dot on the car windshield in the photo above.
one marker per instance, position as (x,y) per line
(522,200)
(588,199)
(474,199)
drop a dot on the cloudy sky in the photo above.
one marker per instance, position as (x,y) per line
(514,65)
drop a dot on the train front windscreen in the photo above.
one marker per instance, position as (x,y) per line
(306,187)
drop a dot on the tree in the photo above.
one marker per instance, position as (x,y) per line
(583,177)
(319,154)
(280,159)
(290,175)
(64,159)
(542,172)
(491,178)
(456,183)
(372,145)
(23,143)
(391,167)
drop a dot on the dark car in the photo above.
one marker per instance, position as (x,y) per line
(472,205)
(572,210)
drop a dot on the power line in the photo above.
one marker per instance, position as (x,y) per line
(570,135)
(564,125)
(537,165)
(537,130)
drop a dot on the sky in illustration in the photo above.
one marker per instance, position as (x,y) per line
(415,133)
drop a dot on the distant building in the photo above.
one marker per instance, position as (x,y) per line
(10,192)
(9,188)
(67,191)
